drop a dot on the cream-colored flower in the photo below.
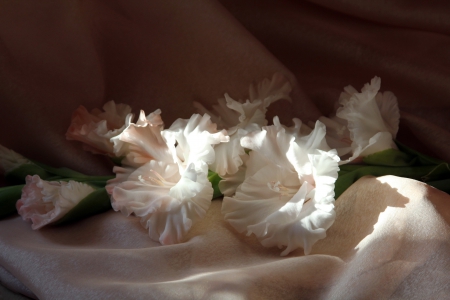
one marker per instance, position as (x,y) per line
(96,129)
(242,117)
(365,123)
(44,202)
(167,202)
(170,188)
(287,197)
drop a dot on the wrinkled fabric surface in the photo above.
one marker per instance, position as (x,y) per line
(391,238)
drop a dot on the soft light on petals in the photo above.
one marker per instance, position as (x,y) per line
(134,140)
(144,141)
(271,143)
(287,197)
(167,203)
(363,121)
(170,189)
(229,156)
(230,182)
(250,112)
(241,117)
(95,129)
(191,140)
(271,90)
(122,174)
(44,202)
(220,114)
(387,103)
(229,113)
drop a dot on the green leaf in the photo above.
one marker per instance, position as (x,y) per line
(390,157)
(422,173)
(18,175)
(422,159)
(439,172)
(8,198)
(63,172)
(95,203)
(214,178)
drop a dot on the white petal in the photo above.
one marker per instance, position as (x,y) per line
(44,202)
(221,115)
(364,121)
(254,199)
(272,143)
(194,139)
(287,197)
(167,202)
(230,182)
(249,113)
(229,155)
(232,114)
(387,103)
(96,129)
(271,90)
(142,141)
(146,143)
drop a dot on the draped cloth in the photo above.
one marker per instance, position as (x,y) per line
(391,237)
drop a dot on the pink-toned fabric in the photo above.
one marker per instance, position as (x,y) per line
(391,238)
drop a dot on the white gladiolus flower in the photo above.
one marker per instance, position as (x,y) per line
(167,202)
(365,123)
(44,202)
(242,117)
(170,188)
(287,197)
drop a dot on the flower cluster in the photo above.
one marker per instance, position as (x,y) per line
(278,182)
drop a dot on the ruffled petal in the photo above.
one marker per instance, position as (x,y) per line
(231,114)
(220,113)
(167,202)
(363,122)
(190,141)
(113,113)
(272,90)
(387,103)
(229,155)
(44,202)
(287,196)
(144,141)
(255,199)
(95,129)
(249,113)
(272,144)
(230,182)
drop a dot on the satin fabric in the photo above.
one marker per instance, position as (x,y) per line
(390,240)
(391,235)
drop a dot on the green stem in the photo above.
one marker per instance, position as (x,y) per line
(423,173)
(94,203)
(8,198)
